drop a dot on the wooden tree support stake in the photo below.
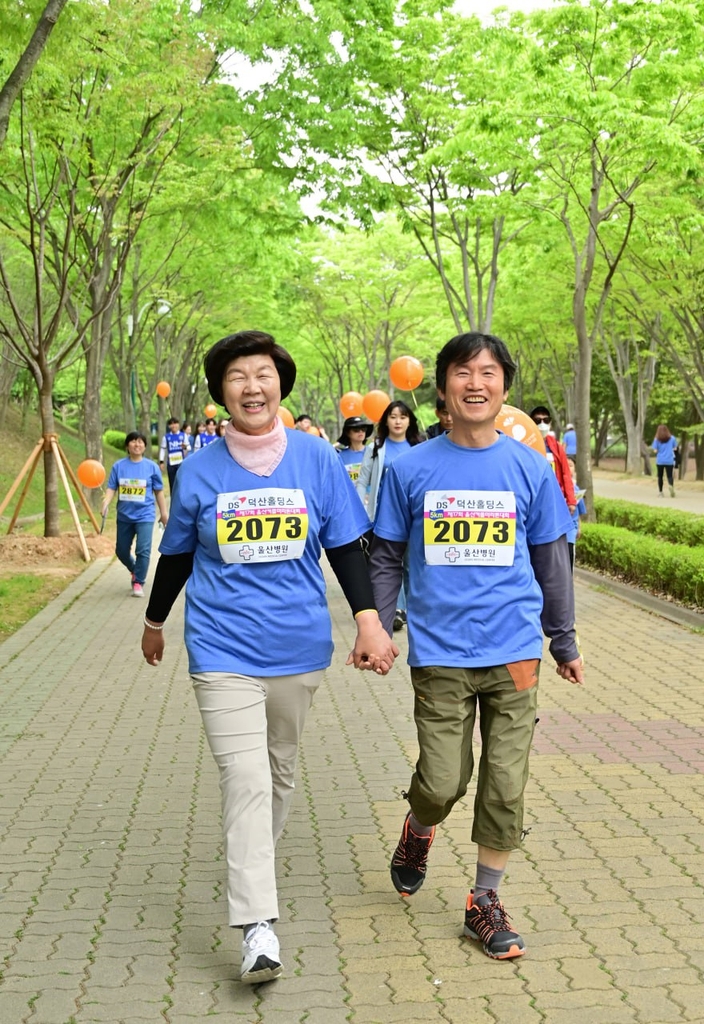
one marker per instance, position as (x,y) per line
(50,443)
(72,504)
(31,461)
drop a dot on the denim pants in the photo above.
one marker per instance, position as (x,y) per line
(126,532)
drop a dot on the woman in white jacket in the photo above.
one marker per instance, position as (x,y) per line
(397,433)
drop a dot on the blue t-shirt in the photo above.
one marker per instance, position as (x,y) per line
(665,451)
(570,442)
(173,444)
(203,440)
(475,511)
(393,450)
(135,484)
(352,462)
(255,601)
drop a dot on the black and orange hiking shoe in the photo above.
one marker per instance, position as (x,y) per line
(410,859)
(488,923)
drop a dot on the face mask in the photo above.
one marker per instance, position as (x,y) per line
(544,429)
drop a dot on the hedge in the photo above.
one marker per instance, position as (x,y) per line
(656,565)
(115,438)
(669,525)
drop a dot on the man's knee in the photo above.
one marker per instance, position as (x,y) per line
(431,802)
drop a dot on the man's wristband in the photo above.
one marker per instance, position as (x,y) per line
(364,611)
(150,625)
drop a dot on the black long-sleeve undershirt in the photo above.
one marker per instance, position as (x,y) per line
(347,562)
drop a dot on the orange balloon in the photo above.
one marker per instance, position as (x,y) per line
(285,416)
(314,431)
(406,373)
(351,404)
(518,425)
(91,473)
(163,389)
(211,411)
(374,403)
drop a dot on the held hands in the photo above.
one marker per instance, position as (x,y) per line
(572,671)
(152,645)
(374,649)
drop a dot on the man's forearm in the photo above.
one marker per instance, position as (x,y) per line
(386,572)
(551,565)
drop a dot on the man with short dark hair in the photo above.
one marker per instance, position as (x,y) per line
(444,420)
(482,523)
(174,446)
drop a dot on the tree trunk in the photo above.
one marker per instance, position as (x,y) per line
(51,477)
(583,392)
(699,457)
(95,356)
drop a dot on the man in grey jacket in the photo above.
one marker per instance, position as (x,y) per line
(482,522)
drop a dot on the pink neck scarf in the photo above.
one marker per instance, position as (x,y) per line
(258,453)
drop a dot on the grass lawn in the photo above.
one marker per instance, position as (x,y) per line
(35,569)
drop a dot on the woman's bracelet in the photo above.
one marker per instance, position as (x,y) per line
(150,625)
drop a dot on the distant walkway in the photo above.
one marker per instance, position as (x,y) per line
(113,908)
(644,490)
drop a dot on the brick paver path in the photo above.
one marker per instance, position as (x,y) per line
(113,906)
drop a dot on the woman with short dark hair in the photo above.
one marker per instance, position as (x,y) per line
(138,483)
(248,522)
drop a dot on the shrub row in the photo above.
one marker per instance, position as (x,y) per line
(664,523)
(656,565)
(115,438)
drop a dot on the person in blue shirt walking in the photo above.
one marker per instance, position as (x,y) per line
(397,432)
(173,449)
(351,442)
(482,522)
(248,523)
(138,484)
(665,447)
(569,441)
(209,435)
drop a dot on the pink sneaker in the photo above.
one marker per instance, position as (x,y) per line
(137,590)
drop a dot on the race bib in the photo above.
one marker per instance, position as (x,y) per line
(469,527)
(175,458)
(132,490)
(264,525)
(353,471)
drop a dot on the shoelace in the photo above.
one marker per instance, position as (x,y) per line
(491,917)
(258,936)
(414,851)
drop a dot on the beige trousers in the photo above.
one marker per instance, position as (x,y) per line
(253,726)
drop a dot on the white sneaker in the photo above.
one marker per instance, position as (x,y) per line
(260,955)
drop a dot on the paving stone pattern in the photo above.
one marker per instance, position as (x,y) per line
(112,903)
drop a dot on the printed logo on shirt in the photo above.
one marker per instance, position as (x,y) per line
(131,490)
(469,527)
(263,525)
